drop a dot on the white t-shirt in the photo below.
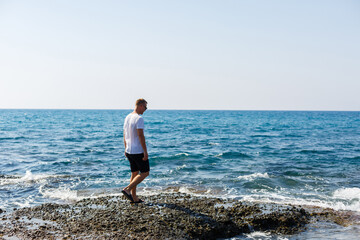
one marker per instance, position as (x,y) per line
(133,121)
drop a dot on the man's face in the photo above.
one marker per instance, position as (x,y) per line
(143,108)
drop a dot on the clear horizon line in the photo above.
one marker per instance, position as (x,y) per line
(165,109)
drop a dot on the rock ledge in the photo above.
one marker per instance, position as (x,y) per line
(164,216)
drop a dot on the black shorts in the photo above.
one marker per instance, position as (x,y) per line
(137,163)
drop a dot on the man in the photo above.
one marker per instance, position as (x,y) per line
(135,150)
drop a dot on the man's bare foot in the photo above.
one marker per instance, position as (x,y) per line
(127,191)
(127,195)
(136,199)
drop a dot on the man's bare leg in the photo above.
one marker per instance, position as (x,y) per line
(134,182)
(133,190)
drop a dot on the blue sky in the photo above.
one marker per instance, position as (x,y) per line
(241,55)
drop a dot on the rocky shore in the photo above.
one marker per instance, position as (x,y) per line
(164,216)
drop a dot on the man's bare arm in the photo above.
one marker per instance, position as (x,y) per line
(124,142)
(140,133)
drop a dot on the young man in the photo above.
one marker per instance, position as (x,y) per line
(135,149)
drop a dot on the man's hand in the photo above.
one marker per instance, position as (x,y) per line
(146,157)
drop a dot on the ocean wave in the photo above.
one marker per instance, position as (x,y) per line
(347,193)
(353,158)
(292,135)
(278,198)
(177,168)
(232,155)
(263,236)
(261,197)
(12,138)
(74,139)
(253,176)
(214,143)
(182,154)
(310,202)
(65,193)
(177,156)
(156,122)
(315,151)
(188,189)
(61,193)
(181,167)
(264,135)
(27,178)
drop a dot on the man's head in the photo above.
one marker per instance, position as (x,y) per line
(140,106)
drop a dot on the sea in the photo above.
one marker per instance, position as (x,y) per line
(309,158)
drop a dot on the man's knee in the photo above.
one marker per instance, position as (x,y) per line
(145,174)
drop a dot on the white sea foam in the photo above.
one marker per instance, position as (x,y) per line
(347,199)
(181,167)
(214,143)
(61,193)
(327,203)
(253,176)
(185,190)
(67,194)
(182,154)
(262,236)
(342,199)
(27,178)
(347,193)
(177,169)
(25,203)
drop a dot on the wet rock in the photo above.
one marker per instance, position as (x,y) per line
(164,216)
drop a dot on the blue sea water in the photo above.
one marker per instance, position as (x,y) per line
(308,158)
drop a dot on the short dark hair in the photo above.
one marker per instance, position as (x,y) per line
(140,101)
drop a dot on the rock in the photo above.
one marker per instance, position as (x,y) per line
(164,216)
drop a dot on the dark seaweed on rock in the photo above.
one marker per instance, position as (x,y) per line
(165,216)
